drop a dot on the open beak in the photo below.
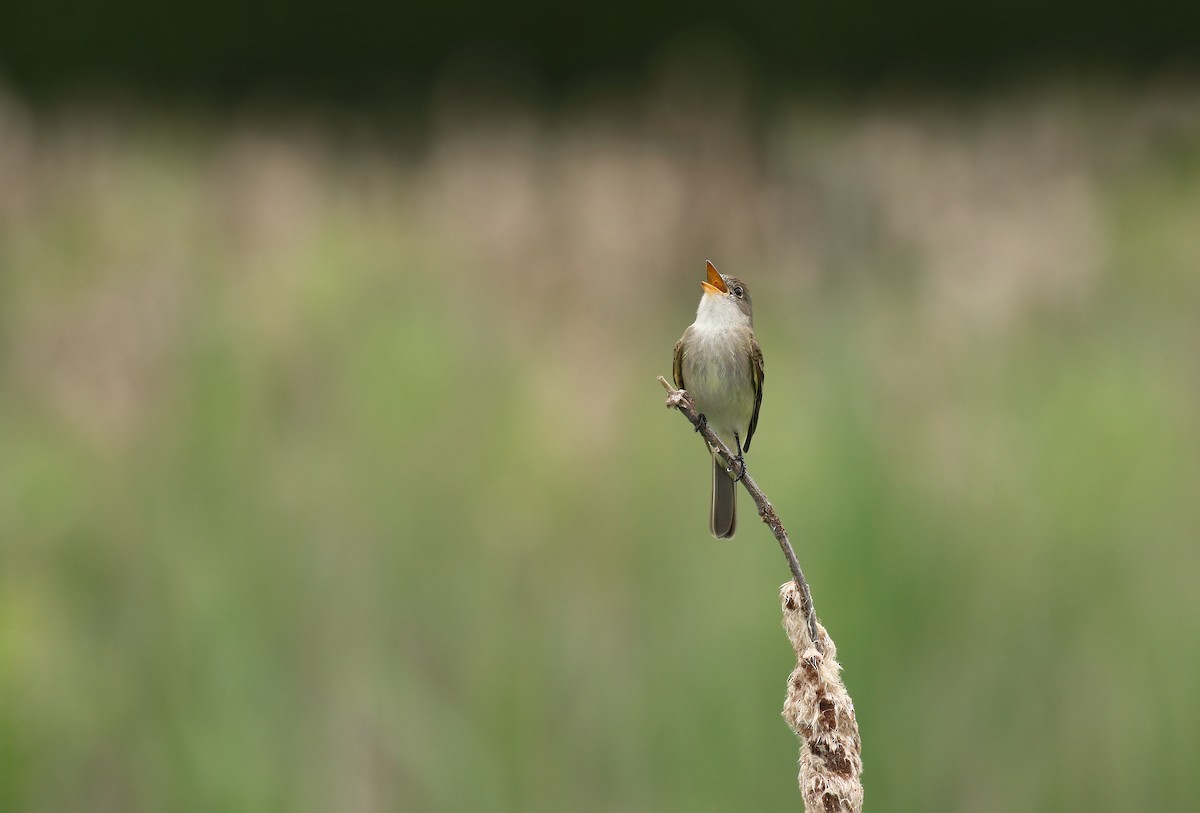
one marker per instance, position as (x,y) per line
(715,284)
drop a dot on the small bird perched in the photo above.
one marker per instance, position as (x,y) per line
(718,361)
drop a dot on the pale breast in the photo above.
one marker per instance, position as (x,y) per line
(716,371)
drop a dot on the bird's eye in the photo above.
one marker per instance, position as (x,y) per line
(737,291)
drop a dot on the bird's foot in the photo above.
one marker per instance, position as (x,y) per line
(703,422)
(741,466)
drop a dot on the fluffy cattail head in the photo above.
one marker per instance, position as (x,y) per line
(821,713)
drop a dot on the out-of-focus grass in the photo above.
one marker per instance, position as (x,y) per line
(335,476)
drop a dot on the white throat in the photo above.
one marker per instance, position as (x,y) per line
(719,313)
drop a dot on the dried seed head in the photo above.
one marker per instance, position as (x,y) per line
(821,713)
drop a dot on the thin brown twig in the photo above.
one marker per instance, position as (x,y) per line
(817,707)
(682,401)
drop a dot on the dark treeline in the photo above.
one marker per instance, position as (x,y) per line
(357,49)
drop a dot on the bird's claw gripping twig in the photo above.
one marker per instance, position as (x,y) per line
(741,461)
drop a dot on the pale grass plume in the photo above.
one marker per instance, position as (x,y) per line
(820,711)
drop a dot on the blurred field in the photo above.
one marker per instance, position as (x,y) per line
(334,475)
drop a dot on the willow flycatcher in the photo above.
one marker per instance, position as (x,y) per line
(718,361)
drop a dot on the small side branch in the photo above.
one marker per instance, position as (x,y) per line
(682,401)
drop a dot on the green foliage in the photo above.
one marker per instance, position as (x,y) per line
(332,478)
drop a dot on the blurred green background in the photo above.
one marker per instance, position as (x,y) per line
(334,474)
